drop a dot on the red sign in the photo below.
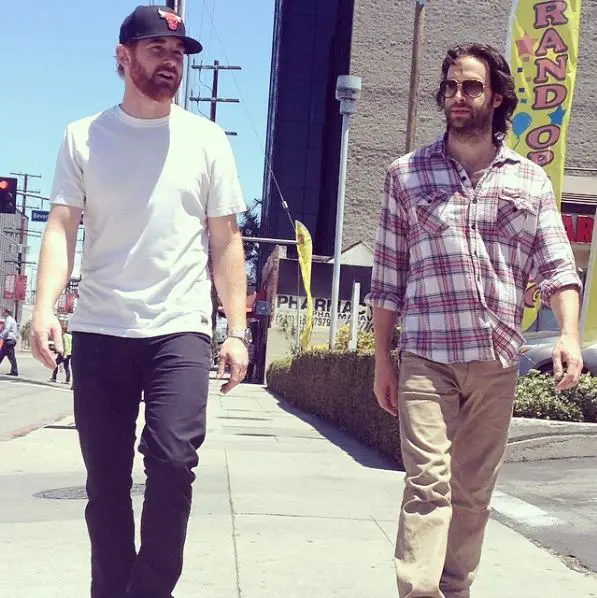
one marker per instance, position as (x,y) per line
(21,287)
(66,303)
(15,287)
(10,281)
(579,228)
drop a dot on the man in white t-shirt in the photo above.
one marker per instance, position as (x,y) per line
(158,186)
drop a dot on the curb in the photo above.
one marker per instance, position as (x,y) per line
(17,379)
(543,440)
(551,447)
(28,429)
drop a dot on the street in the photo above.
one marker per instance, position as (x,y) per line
(29,368)
(553,503)
(25,405)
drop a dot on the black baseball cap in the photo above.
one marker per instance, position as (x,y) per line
(146,22)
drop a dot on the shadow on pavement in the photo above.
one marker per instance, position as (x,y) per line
(352,446)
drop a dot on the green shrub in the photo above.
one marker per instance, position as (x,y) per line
(365,340)
(25,332)
(584,396)
(537,397)
(338,386)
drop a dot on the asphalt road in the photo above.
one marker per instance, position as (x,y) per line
(26,406)
(553,503)
(29,368)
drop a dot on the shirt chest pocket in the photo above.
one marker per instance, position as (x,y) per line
(433,212)
(515,214)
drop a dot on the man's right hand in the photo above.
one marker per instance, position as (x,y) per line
(45,326)
(385,385)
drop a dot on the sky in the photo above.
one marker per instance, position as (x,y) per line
(57,65)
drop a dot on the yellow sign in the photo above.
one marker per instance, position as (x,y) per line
(543,50)
(305,258)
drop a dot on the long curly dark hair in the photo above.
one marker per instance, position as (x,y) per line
(501,81)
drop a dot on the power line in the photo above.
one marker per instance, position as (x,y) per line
(261,145)
(202,19)
(211,18)
(214,99)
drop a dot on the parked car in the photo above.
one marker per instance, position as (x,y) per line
(536,354)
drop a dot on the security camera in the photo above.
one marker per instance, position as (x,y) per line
(348,91)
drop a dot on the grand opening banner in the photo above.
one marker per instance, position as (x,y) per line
(305,258)
(542,49)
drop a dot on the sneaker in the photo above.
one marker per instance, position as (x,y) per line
(12,374)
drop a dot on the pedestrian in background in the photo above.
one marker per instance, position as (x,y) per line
(159,187)
(464,224)
(8,336)
(64,357)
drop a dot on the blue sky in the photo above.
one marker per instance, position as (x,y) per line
(57,65)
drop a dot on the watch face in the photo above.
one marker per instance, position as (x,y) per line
(243,335)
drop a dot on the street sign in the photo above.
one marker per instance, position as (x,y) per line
(39,215)
(42,216)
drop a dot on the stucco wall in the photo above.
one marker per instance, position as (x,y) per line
(381,55)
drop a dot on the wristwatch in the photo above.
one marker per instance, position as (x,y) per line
(244,334)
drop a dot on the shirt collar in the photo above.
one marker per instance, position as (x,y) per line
(504,154)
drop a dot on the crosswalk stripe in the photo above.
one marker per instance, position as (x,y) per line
(522,511)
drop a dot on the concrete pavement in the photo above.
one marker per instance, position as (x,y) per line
(24,408)
(285,505)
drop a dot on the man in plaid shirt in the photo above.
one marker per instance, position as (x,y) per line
(465,223)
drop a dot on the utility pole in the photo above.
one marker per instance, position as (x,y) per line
(214,100)
(415,73)
(22,235)
(179,6)
(187,83)
(173,4)
(213,112)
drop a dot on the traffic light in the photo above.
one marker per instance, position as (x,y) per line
(8,195)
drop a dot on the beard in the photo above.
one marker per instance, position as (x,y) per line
(152,85)
(476,124)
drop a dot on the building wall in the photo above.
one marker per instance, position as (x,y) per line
(311,47)
(381,55)
(9,238)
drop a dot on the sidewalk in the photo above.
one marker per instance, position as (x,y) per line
(285,506)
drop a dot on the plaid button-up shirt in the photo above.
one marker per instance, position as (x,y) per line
(454,260)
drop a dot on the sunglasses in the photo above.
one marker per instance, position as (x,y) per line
(470,87)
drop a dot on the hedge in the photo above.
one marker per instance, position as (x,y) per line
(536,397)
(337,386)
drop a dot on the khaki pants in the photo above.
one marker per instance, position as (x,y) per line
(454,421)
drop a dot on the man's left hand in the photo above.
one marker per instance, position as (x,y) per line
(234,354)
(567,350)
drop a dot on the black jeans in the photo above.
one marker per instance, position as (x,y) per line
(110,375)
(8,350)
(65,361)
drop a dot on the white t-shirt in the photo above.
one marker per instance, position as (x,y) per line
(147,188)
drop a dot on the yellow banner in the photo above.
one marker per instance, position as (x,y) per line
(543,50)
(305,258)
